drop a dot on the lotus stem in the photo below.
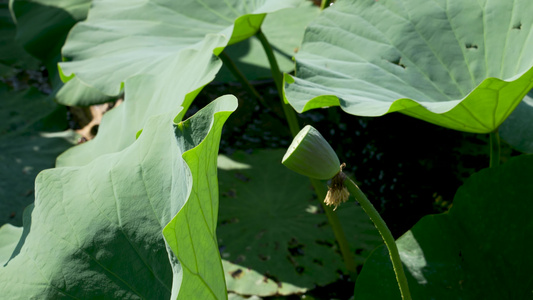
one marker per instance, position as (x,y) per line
(494,149)
(228,62)
(278,80)
(385,234)
(318,185)
(325,4)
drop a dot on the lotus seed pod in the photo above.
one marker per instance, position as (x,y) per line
(311,155)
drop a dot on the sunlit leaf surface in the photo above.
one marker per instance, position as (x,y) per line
(96,230)
(464,65)
(123,38)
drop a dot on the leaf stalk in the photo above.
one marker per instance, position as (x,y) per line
(278,80)
(325,4)
(494,148)
(319,186)
(228,62)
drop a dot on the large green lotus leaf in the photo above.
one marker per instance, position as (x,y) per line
(284,30)
(96,230)
(152,96)
(479,250)
(517,130)
(123,38)
(31,137)
(192,233)
(177,76)
(464,65)
(13,53)
(272,235)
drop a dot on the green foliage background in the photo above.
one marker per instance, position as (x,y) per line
(134,212)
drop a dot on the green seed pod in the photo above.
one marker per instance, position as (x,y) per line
(311,155)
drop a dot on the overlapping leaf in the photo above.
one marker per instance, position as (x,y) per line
(95,230)
(479,250)
(152,97)
(464,65)
(122,38)
(172,42)
(192,233)
(273,238)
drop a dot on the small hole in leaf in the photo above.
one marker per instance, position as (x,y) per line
(263,257)
(295,248)
(398,62)
(242,177)
(517,26)
(358,251)
(471,46)
(236,274)
(300,269)
(322,224)
(229,221)
(318,262)
(324,243)
(232,193)
(271,277)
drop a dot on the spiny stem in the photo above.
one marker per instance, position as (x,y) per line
(494,149)
(228,62)
(278,80)
(385,234)
(320,187)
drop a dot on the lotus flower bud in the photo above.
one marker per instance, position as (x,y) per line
(311,155)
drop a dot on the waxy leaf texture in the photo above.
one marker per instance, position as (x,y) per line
(96,230)
(464,65)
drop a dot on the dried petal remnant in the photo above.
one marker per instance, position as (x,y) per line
(337,192)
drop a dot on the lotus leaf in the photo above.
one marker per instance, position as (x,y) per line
(123,38)
(95,230)
(464,65)
(478,250)
(274,239)
(284,30)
